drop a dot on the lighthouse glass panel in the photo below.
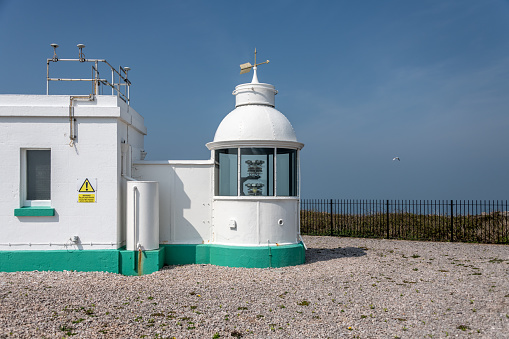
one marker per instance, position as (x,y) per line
(226,160)
(286,172)
(257,171)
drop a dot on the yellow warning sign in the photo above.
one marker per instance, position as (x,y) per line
(86,197)
(86,187)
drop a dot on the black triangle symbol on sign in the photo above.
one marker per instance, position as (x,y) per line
(86,187)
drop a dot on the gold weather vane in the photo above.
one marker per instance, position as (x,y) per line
(245,68)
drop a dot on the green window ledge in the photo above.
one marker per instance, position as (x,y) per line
(34,211)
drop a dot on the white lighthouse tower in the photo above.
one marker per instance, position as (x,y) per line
(256,182)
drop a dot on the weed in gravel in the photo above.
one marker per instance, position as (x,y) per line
(77,321)
(496,260)
(303,303)
(216,336)
(463,327)
(416,256)
(241,308)
(68,330)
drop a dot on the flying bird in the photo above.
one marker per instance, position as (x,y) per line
(396,158)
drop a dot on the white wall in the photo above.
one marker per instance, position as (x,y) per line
(185,198)
(31,121)
(256,220)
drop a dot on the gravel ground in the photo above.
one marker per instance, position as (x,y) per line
(348,287)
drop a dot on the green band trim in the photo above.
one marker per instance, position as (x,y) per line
(34,211)
(235,256)
(131,263)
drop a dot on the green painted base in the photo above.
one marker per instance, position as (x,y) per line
(130,262)
(115,261)
(235,256)
(60,260)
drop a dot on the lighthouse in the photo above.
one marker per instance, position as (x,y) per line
(256,180)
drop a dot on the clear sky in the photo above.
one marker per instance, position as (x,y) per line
(361,81)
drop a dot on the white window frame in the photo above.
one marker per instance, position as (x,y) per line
(23,176)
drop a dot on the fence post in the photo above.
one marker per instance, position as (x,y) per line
(331,220)
(452,222)
(387,216)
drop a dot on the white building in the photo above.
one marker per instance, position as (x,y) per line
(77,190)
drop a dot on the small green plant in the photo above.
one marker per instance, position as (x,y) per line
(303,303)
(241,308)
(68,330)
(216,336)
(463,327)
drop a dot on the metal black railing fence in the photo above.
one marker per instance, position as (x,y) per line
(435,220)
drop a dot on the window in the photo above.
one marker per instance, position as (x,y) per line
(35,184)
(38,176)
(226,164)
(286,172)
(256,171)
(260,172)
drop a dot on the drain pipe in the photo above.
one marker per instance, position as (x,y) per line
(72,136)
(270,254)
(135,224)
(140,266)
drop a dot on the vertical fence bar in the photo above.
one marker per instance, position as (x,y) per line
(452,221)
(387,217)
(331,220)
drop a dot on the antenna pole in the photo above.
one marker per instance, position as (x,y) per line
(255,56)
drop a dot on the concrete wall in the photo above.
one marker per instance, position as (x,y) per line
(185,199)
(33,121)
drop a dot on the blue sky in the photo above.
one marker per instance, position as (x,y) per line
(361,82)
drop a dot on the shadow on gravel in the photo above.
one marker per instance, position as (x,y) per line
(324,254)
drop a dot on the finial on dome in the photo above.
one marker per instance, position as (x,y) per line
(255,77)
(245,68)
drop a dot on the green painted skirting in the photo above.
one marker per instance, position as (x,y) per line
(235,256)
(128,262)
(115,261)
(34,211)
(59,260)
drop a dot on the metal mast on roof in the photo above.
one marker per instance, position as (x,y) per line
(120,84)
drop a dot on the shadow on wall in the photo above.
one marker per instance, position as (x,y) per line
(325,254)
(55,218)
(177,227)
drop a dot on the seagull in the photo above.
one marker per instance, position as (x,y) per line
(396,158)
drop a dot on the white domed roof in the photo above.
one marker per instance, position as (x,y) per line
(255,121)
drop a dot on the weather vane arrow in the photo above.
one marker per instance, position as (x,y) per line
(245,68)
